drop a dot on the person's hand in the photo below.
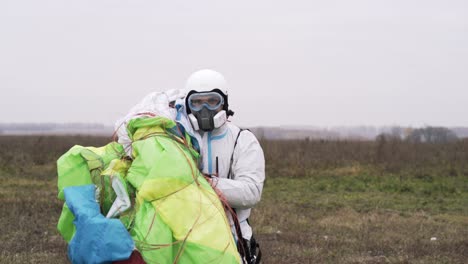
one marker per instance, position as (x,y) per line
(212,180)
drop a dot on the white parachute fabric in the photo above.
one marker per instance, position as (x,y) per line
(153,104)
(169,104)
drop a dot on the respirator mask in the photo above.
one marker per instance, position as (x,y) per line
(205,111)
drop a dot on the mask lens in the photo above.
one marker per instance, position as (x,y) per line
(210,100)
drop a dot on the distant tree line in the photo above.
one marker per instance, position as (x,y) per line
(428,134)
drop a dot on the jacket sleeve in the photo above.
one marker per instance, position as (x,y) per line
(244,190)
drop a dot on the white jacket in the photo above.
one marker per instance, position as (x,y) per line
(243,188)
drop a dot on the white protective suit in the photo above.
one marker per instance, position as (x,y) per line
(243,188)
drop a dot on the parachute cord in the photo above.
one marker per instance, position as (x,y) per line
(183,137)
(196,222)
(185,156)
(151,226)
(235,219)
(169,194)
(242,249)
(182,247)
(217,260)
(114,134)
(143,246)
(194,176)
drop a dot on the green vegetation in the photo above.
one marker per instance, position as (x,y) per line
(365,193)
(323,201)
(364,219)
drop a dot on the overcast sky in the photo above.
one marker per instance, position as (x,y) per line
(323,63)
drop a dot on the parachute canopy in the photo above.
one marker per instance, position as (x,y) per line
(175,216)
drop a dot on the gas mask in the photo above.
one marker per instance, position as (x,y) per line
(205,114)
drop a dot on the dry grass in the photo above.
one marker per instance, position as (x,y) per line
(347,236)
(323,202)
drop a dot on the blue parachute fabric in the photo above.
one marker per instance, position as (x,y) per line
(97,239)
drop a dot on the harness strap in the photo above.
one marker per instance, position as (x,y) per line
(250,253)
(232,155)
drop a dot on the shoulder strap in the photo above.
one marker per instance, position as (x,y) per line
(251,254)
(232,155)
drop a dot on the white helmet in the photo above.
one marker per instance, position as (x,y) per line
(205,81)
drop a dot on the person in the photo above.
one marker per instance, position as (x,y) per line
(232,158)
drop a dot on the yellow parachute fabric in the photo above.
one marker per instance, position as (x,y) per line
(176,217)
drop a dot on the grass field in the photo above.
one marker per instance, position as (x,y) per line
(323,201)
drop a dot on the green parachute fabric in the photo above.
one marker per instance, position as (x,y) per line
(81,166)
(176,217)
